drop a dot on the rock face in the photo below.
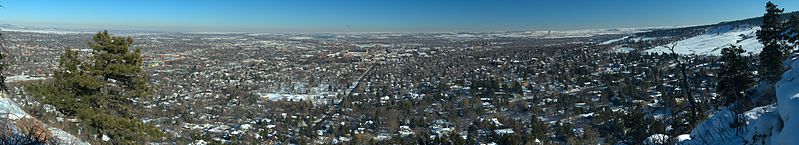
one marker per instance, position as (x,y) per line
(35,128)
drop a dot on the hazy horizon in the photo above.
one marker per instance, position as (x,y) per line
(375,16)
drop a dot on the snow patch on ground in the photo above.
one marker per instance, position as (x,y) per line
(716,130)
(9,109)
(765,126)
(623,49)
(65,137)
(656,139)
(20,78)
(301,38)
(315,98)
(614,40)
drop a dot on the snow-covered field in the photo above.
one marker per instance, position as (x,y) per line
(711,43)
(19,78)
(580,33)
(614,40)
(623,49)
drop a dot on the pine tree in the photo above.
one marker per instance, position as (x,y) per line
(74,77)
(472,135)
(114,63)
(100,92)
(516,87)
(636,125)
(771,57)
(538,128)
(734,75)
(3,65)
(455,137)
(791,32)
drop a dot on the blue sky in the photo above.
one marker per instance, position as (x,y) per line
(375,15)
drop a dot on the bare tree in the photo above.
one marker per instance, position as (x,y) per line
(686,90)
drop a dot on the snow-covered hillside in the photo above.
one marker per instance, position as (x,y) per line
(711,42)
(11,111)
(788,108)
(772,124)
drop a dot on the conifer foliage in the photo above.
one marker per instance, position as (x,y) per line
(3,65)
(772,55)
(99,89)
(734,75)
(791,32)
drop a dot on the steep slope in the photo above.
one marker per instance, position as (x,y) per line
(772,124)
(788,108)
(11,112)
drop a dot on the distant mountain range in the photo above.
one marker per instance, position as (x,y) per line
(39,29)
